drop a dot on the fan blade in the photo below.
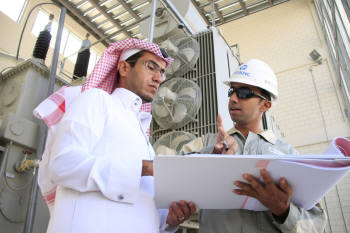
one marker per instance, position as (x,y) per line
(171,49)
(191,92)
(161,110)
(178,140)
(175,66)
(164,150)
(188,53)
(167,94)
(180,112)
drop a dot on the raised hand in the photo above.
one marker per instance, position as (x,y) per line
(225,144)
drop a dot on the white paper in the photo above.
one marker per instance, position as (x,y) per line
(208,180)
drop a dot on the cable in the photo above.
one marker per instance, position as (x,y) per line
(238,59)
(25,24)
(235,45)
(319,102)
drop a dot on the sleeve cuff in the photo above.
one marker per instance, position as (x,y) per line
(291,219)
(164,227)
(118,181)
(168,229)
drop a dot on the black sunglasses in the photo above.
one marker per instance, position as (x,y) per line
(244,93)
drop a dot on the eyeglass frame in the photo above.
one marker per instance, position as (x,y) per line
(158,69)
(251,93)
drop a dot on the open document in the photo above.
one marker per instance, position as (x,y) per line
(207,180)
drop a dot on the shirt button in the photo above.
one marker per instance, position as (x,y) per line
(120,197)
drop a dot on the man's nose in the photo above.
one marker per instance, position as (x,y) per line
(234,98)
(158,77)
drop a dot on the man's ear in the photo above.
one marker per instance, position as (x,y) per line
(123,68)
(266,105)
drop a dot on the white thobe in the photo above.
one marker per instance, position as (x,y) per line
(97,163)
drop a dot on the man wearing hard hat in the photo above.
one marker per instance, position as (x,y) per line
(253,90)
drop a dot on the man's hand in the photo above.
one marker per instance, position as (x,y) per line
(275,198)
(223,137)
(147,168)
(179,212)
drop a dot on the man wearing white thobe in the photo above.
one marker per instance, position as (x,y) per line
(101,157)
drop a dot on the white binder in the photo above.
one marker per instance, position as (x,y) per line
(207,180)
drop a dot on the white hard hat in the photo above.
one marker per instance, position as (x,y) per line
(256,73)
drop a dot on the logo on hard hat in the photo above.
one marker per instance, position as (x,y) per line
(244,67)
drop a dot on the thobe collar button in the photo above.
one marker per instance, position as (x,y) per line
(137,104)
(120,197)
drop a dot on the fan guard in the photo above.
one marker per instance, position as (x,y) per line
(184,50)
(172,142)
(177,103)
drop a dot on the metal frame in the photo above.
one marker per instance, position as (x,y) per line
(338,40)
(101,18)
(226,12)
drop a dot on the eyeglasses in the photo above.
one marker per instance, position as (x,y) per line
(244,93)
(154,67)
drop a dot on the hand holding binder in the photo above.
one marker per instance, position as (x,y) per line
(207,180)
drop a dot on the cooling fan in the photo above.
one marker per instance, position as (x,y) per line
(164,24)
(184,50)
(177,102)
(172,142)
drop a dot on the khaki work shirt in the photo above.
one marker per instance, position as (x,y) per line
(298,220)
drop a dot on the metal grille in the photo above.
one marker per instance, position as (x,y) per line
(205,77)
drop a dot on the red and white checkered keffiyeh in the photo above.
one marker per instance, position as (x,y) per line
(52,109)
(105,72)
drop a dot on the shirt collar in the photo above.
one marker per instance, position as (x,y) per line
(268,135)
(128,98)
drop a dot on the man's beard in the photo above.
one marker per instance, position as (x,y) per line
(146,99)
